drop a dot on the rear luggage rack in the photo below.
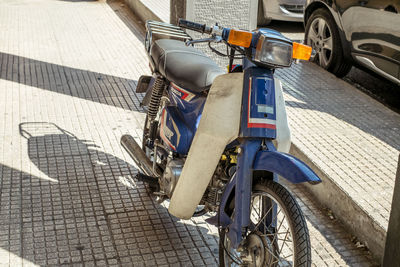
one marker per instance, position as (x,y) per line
(160,30)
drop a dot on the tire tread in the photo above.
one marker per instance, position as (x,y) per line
(300,230)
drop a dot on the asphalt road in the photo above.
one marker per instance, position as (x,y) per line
(379,88)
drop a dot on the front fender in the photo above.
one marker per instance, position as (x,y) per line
(285,165)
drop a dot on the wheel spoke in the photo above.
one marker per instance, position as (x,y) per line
(284,216)
(272,254)
(287,240)
(273,219)
(324,57)
(327,43)
(321,27)
(312,35)
(283,243)
(262,219)
(282,233)
(287,256)
(320,59)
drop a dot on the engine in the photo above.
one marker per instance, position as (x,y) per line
(171,175)
(223,173)
(212,197)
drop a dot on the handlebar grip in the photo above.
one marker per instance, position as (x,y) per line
(194,26)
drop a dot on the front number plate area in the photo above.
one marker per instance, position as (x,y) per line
(259,112)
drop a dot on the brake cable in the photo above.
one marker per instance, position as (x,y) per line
(227,54)
(219,233)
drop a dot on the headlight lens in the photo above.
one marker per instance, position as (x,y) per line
(273,52)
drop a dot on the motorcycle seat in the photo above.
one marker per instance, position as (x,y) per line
(184,65)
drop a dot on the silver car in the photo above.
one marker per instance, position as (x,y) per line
(288,10)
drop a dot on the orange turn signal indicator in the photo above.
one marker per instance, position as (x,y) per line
(240,38)
(301,51)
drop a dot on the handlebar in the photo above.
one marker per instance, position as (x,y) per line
(240,40)
(187,24)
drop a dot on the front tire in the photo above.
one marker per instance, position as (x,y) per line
(282,242)
(323,36)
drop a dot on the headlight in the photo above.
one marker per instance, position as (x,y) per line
(273,52)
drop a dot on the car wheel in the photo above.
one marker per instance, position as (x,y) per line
(261,17)
(322,34)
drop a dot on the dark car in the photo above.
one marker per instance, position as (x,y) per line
(365,33)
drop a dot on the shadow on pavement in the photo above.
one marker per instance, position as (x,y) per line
(93,86)
(375,86)
(93,212)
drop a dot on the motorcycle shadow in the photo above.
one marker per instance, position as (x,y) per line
(99,211)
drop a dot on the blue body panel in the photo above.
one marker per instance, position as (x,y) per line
(258,118)
(190,105)
(174,130)
(253,158)
(285,165)
(181,118)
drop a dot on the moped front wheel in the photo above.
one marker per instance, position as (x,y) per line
(278,235)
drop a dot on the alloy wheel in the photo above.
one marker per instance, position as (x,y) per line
(320,38)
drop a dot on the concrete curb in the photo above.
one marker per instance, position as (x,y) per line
(328,193)
(353,217)
(141,10)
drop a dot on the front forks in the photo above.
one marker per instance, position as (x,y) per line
(240,186)
(243,186)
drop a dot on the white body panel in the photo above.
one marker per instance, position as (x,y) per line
(219,125)
(283,136)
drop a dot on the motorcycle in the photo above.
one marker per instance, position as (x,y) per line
(218,142)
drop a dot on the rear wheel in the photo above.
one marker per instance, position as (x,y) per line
(278,235)
(322,34)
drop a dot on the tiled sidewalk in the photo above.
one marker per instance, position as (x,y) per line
(68,70)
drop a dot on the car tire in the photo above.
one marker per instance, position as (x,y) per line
(322,34)
(262,20)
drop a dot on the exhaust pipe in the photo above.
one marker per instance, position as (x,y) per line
(138,155)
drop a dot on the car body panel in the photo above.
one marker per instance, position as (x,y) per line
(371,30)
(368,32)
(287,10)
